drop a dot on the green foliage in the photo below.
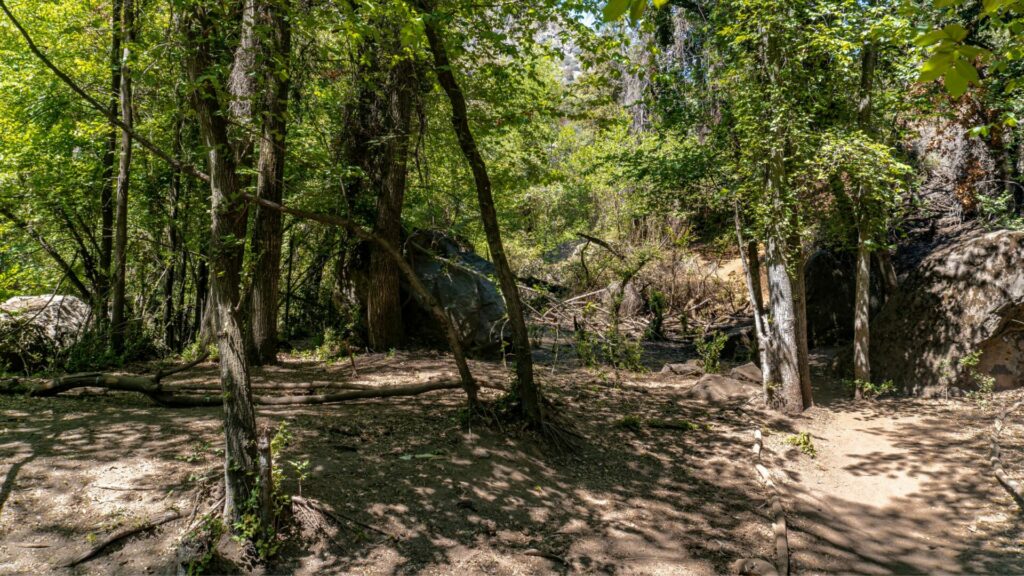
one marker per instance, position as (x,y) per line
(998,211)
(709,348)
(872,389)
(984,384)
(804,442)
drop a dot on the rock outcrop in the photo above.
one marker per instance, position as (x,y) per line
(34,329)
(966,298)
(462,281)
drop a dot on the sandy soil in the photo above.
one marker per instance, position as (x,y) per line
(898,486)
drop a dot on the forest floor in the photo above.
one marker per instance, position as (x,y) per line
(896,486)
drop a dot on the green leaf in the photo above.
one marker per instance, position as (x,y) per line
(930,38)
(947,3)
(939,62)
(614,9)
(930,75)
(967,71)
(637,10)
(956,84)
(660,3)
(956,32)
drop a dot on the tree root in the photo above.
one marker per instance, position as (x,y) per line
(996,457)
(121,534)
(340,519)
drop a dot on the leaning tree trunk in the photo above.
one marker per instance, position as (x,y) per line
(267,236)
(783,358)
(117,319)
(525,387)
(173,238)
(228,222)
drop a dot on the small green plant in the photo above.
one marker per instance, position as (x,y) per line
(804,442)
(658,305)
(710,350)
(872,389)
(629,422)
(208,531)
(985,385)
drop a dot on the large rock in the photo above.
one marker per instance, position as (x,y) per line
(718,388)
(464,287)
(964,298)
(34,329)
(831,281)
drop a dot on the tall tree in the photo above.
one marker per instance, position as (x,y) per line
(117,319)
(108,183)
(525,389)
(204,31)
(273,16)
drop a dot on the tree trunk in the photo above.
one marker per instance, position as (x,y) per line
(383,303)
(228,223)
(800,306)
(862,306)
(102,296)
(525,388)
(117,319)
(173,196)
(783,357)
(267,234)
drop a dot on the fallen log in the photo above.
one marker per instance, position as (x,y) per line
(755,565)
(170,397)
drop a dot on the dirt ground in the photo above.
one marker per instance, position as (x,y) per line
(897,486)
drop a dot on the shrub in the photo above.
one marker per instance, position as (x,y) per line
(710,351)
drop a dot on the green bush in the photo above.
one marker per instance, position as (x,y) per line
(710,350)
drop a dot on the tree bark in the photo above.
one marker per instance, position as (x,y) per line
(173,197)
(783,359)
(525,388)
(228,224)
(861,321)
(267,234)
(102,299)
(117,318)
(383,302)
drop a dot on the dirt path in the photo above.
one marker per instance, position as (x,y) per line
(898,486)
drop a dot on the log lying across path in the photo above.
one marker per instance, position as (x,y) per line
(170,397)
(756,566)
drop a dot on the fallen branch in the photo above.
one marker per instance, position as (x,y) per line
(754,565)
(996,456)
(169,398)
(121,534)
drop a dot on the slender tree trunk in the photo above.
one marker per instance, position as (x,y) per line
(525,388)
(173,195)
(751,261)
(383,303)
(267,236)
(862,305)
(117,320)
(228,223)
(106,195)
(800,306)
(862,299)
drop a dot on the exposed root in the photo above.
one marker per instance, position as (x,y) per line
(337,517)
